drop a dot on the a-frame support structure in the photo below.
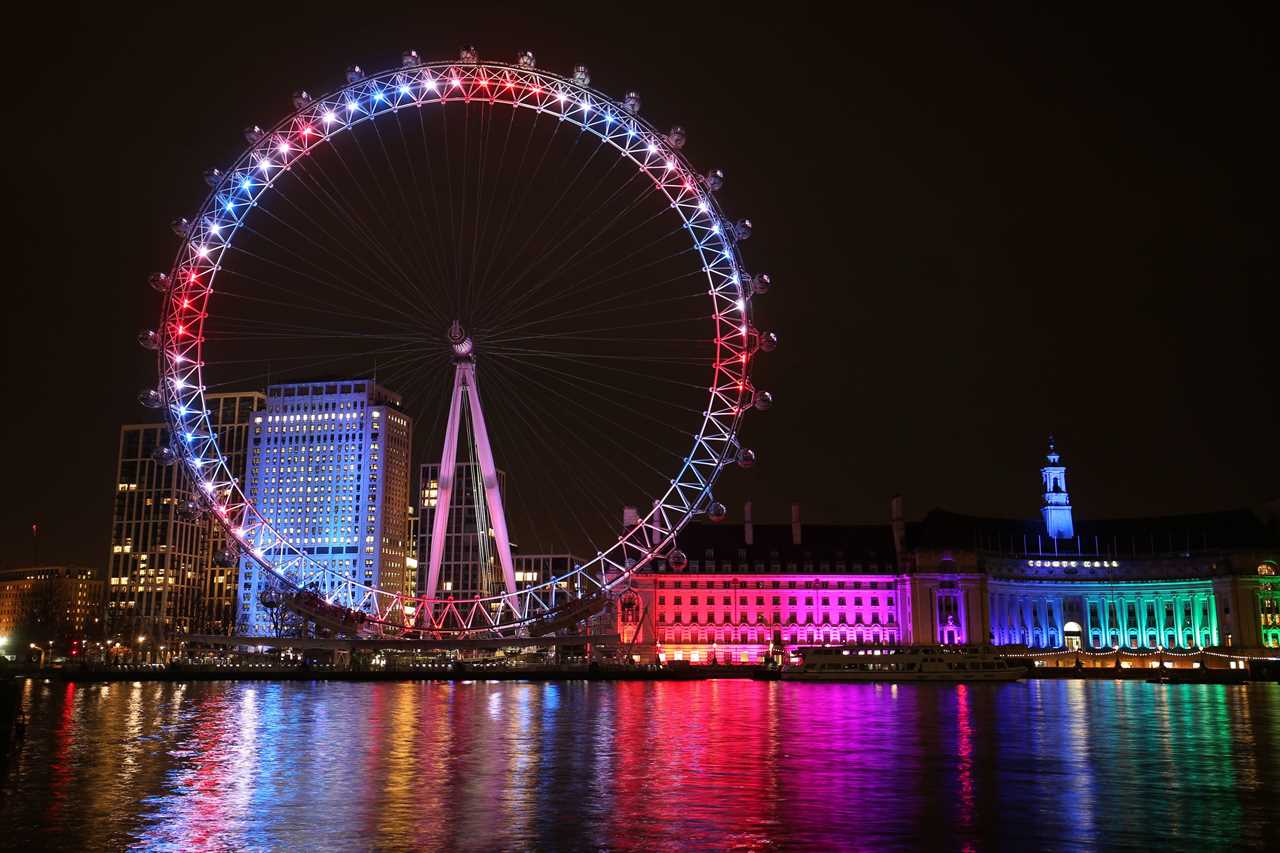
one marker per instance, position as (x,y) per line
(465,393)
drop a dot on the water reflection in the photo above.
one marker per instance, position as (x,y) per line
(643,766)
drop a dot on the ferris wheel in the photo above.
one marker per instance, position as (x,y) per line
(450,224)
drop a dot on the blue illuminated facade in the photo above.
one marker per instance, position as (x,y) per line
(328,467)
(1176,583)
(1172,584)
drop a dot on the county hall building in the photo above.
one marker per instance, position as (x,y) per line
(1169,585)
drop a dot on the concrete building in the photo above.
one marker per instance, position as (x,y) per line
(1173,584)
(43,603)
(164,578)
(232,415)
(755,590)
(535,569)
(469,563)
(328,467)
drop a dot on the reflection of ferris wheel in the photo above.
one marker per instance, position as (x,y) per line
(590,265)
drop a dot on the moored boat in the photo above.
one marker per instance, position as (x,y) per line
(903,663)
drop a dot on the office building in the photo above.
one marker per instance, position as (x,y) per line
(328,468)
(163,577)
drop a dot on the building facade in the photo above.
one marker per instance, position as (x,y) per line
(744,593)
(469,562)
(44,603)
(328,467)
(232,415)
(165,575)
(748,593)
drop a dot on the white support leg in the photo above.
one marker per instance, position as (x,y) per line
(444,482)
(492,491)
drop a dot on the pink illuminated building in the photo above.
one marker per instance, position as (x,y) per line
(752,591)
(747,593)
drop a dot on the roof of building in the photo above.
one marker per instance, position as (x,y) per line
(46,571)
(870,545)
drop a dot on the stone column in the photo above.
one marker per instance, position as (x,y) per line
(1160,605)
(1180,609)
(1197,601)
(1143,603)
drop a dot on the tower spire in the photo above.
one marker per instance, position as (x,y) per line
(1055,506)
(465,393)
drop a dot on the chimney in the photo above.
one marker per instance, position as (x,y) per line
(795,524)
(630,518)
(899,528)
(748,529)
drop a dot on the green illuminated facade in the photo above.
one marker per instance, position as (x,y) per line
(1172,582)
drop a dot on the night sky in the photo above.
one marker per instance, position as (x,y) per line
(983,226)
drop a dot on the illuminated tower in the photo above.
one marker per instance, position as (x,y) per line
(328,467)
(466,396)
(1056,506)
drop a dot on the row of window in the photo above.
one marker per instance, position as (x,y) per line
(773,618)
(730,584)
(809,635)
(727,601)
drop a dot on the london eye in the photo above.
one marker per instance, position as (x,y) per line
(466,226)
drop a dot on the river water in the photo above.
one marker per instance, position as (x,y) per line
(707,765)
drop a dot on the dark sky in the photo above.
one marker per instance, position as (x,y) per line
(983,226)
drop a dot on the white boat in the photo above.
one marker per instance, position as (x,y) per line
(902,663)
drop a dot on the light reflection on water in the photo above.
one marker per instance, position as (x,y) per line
(643,766)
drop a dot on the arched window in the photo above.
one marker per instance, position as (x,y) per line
(630,609)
